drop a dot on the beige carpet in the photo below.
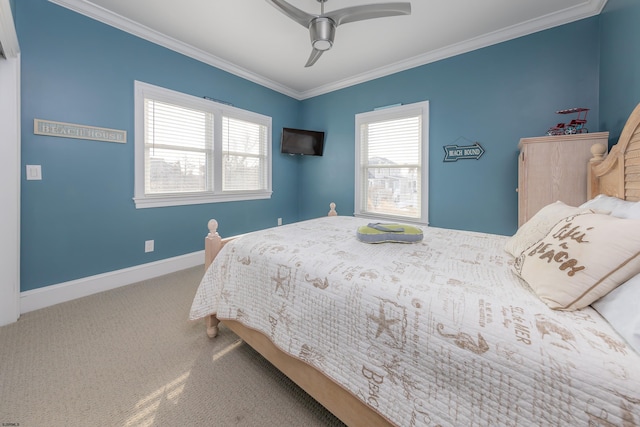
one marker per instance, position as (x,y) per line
(130,357)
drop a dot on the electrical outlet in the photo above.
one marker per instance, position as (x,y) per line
(148,246)
(279,221)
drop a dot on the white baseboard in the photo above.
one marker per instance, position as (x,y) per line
(67,291)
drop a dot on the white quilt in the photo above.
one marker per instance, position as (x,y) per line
(434,333)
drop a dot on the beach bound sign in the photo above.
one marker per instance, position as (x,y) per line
(69,130)
(453,153)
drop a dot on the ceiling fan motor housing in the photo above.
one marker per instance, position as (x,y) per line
(322,31)
(322,28)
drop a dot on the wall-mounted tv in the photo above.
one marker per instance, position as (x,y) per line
(303,142)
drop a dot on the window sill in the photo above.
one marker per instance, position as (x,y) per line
(192,199)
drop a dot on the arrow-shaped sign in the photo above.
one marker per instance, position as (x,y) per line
(454,152)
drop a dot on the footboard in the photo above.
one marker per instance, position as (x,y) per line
(331,395)
(213,244)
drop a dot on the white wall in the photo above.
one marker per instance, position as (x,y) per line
(9,169)
(10,189)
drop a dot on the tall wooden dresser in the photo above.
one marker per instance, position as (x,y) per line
(552,168)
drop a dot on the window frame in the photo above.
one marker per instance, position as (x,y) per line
(214,193)
(385,114)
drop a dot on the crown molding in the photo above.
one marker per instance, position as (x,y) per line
(84,7)
(105,16)
(593,8)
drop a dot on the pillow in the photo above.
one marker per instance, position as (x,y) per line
(618,207)
(632,213)
(581,259)
(539,225)
(376,232)
(620,308)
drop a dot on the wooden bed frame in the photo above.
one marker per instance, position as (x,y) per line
(617,174)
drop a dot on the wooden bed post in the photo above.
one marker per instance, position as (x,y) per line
(598,151)
(332,210)
(212,325)
(212,245)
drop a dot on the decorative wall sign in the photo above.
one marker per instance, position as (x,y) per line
(69,130)
(452,153)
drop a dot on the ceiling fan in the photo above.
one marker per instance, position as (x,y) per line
(322,28)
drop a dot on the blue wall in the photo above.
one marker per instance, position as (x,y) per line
(494,96)
(619,64)
(80,220)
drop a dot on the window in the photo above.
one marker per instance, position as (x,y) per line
(392,147)
(191,150)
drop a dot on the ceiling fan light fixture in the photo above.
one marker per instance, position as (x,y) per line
(322,30)
(322,44)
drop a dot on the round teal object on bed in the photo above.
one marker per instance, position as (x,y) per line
(377,232)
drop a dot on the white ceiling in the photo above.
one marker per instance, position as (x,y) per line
(254,40)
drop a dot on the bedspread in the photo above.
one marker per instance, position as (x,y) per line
(440,332)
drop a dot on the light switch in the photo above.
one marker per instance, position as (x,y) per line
(34,172)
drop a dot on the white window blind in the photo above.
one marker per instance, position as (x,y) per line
(178,148)
(191,150)
(391,168)
(244,155)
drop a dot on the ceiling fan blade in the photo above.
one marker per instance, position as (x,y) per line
(300,16)
(315,54)
(369,11)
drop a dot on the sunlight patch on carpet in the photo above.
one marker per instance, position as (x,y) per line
(147,407)
(227,349)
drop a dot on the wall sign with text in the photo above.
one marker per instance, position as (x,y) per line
(69,130)
(453,153)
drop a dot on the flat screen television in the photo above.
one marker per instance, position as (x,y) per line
(302,142)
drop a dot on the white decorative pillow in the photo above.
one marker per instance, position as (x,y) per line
(581,259)
(539,225)
(620,308)
(632,213)
(618,207)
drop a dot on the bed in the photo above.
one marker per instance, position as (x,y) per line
(462,328)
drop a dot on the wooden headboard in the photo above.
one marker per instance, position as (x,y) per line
(618,174)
